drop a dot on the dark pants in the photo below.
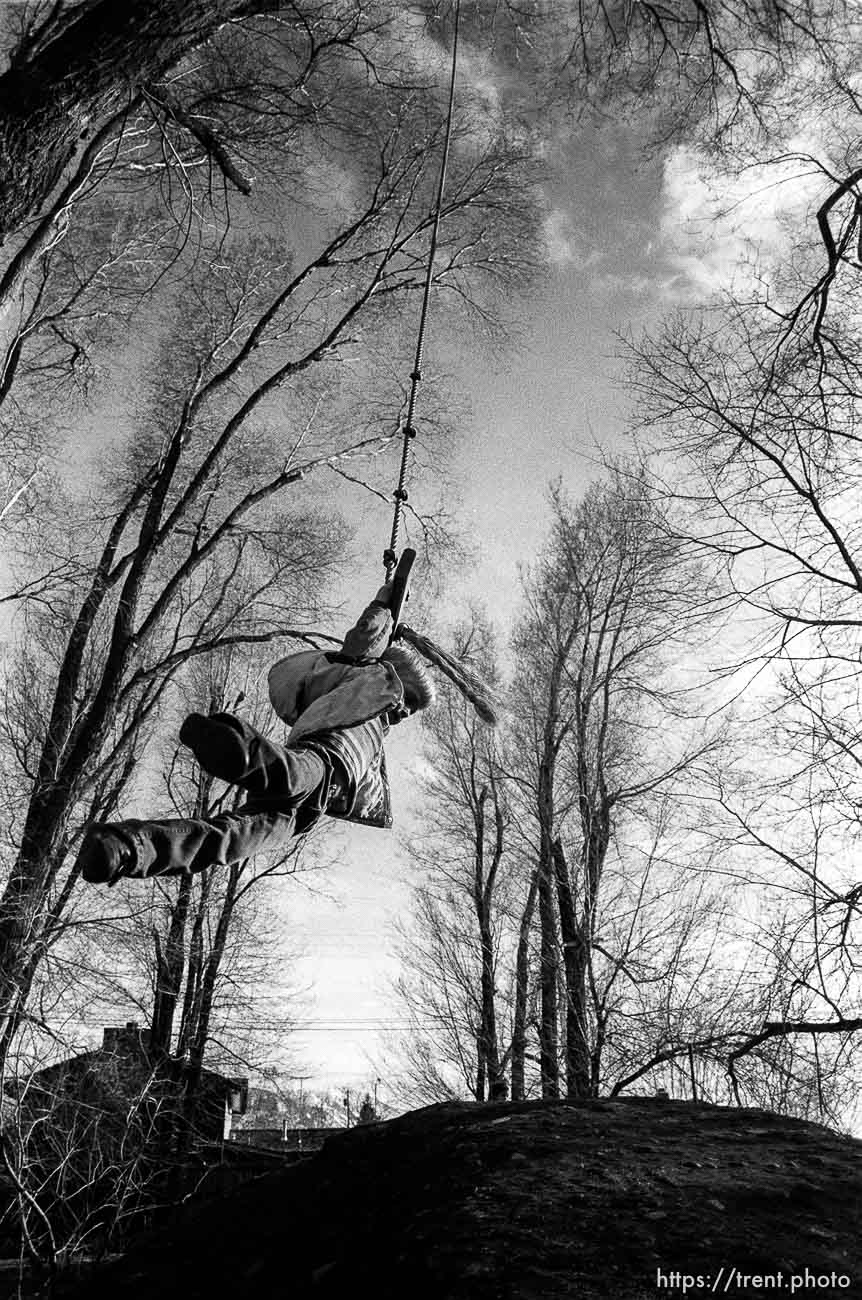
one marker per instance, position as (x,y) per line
(290,790)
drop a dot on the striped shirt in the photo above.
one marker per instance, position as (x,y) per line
(358,755)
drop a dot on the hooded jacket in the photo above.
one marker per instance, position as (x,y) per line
(338,702)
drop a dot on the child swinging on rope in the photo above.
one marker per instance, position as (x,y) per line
(340,705)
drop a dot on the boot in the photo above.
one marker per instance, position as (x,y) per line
(218,747)
(105,856)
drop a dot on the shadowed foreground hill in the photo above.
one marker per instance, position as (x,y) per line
(528,1201)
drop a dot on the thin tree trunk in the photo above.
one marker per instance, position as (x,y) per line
(549,1064)
(170,963)
(490,1046)
(575,958)
(549,1061)
(522,971)
(198,1043)
(488,1053)
(194,973)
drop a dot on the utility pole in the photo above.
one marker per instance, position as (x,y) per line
(347,1105)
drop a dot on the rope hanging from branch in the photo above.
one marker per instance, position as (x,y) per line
(409,431)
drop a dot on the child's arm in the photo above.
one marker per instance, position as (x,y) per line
(364,643)
(371,632)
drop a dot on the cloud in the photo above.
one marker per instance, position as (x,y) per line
(478,78)
(564,244)
(558,234)
(720,231)
(409,29)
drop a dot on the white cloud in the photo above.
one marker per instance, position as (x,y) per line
(479,84)
(720,231)
(411,37)
(563,244)
(558,231)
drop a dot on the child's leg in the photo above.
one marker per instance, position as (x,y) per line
(230,749)
(154,847)
(177,845)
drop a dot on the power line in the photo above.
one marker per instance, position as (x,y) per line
(361,1026)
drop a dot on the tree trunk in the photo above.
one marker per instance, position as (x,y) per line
(549,1064)
(72,743)
(548,1028)
(195,970)
(575,960)
(170,965)
(209,978)
(490,1051)
(522,972)
(54,97)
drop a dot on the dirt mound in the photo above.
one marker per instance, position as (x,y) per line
(619,1199)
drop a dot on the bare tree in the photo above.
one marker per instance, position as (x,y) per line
(138,131)
(83,1150)
(610,607)
(194,555)
(83,72)
(214,949)
(594,815)
(457,948)
(789,831)
(759,411)
(94,1143)
(468,779)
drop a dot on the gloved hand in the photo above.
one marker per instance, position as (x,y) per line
(369,636)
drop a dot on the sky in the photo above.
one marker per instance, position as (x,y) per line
(536,410)
(627,234)
(626,238)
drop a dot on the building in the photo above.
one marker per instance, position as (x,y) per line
(124,1082)
(107,1138)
